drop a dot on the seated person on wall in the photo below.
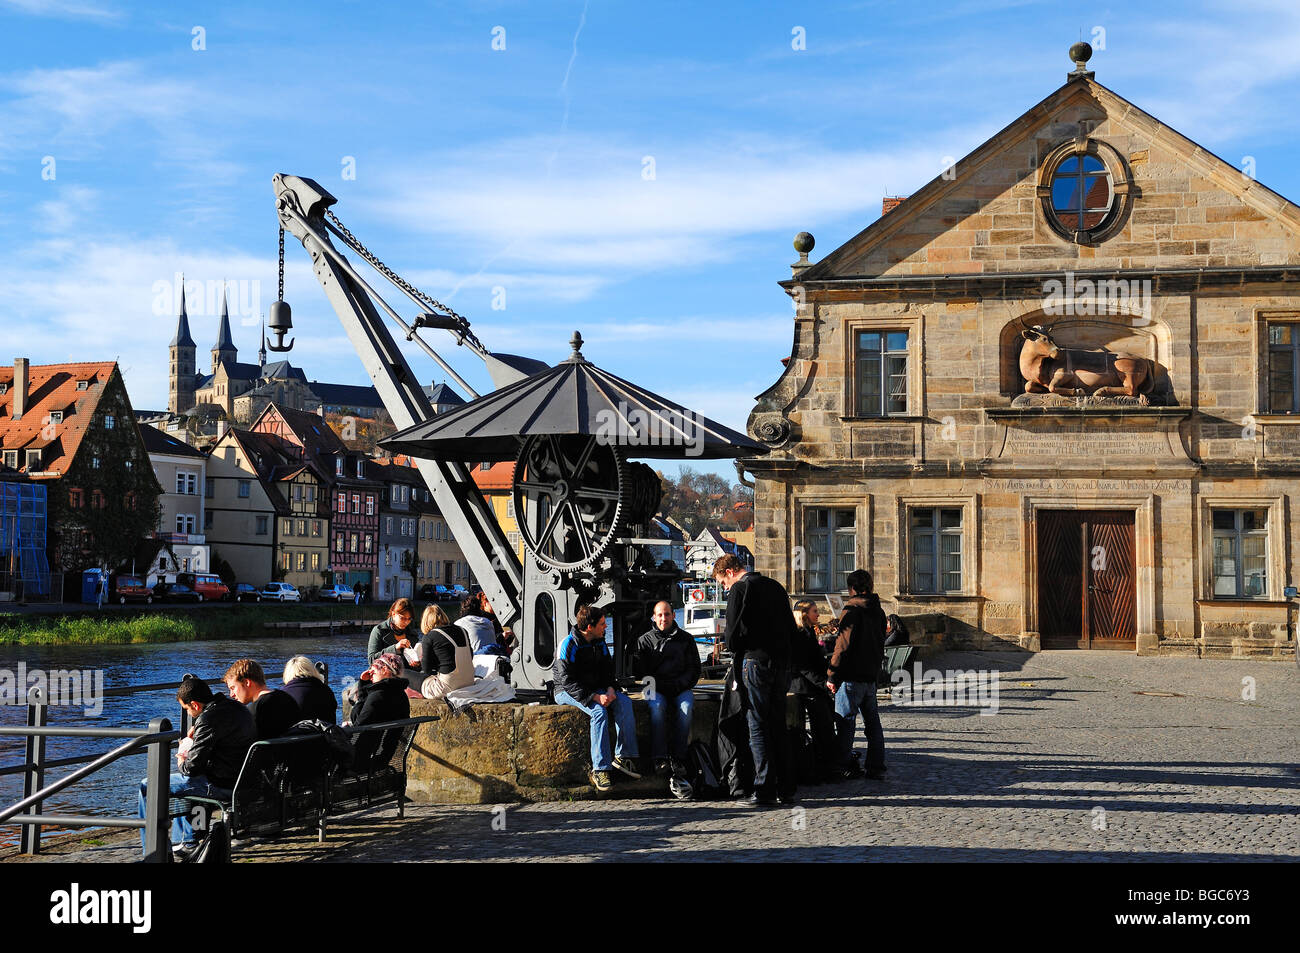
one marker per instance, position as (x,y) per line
(305,685)
(274,711)
(394,634)
(381,696)
(584,678)
(211,760)
(816,704)
(486,637)
(444,655)
(669,658)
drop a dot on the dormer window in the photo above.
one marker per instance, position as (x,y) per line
(33,460)
(56,416)
(11,459)
(82,385)
(338,466)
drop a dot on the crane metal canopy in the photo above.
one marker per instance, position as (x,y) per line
(574,397)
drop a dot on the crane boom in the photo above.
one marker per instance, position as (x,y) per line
(301,204)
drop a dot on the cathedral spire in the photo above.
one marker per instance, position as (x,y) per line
(182,337)
(224,349)
(261,352)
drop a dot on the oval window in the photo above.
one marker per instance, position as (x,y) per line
(1082,196)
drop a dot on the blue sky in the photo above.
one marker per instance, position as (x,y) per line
(525,169)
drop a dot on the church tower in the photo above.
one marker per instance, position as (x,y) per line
(224,350)
(180,391)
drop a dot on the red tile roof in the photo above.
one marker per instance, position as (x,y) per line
(52,387)
(501,476)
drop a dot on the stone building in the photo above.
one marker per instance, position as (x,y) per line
(1052,399)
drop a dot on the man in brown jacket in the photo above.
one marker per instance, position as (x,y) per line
(853,669)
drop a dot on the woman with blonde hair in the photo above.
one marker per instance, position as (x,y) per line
(307,687)
(446,659)
(808,684)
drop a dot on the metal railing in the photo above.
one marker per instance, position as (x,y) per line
(157,738)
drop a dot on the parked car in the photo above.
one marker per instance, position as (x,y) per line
(176,592)
(245,592)
(338,592)
(208,585)
(281,592)
(132,588)
(429,592)
(457,592)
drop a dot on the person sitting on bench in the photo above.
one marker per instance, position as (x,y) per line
(381,696)
(274,712)
(305,685)
(210,764)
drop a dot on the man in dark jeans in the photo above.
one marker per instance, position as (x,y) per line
(854,668)
(760,631)
(210,759)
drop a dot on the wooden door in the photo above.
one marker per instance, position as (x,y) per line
(1086,579)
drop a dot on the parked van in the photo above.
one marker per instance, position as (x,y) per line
(208,585)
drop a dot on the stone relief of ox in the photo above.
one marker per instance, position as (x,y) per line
(1080,372)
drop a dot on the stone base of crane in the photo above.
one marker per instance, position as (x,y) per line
(509,753)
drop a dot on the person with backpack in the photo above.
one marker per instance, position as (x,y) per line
(854,668)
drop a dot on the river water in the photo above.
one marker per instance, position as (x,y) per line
(113,790)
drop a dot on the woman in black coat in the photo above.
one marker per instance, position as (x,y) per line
(808,684)
(306,686)
(381,696)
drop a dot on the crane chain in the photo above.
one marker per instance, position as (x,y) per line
(433,304)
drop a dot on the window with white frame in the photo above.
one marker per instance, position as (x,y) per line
(185,523)
(935,549)
(1240,552)
(830,541)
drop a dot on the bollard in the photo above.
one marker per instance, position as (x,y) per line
(38,716)
(157,839)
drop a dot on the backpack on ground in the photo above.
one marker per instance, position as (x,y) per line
(701,772)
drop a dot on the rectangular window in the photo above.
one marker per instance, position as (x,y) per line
(185,523)
(881,373)
(108,421)
(1241,553)
(338,543)
(343,503)
(75,498)
(261,526)
(514,539)
(831,540)
(302,527)
(388,525)
(352,543)
(96,499)
(316,528)
(315,562)
(356,502)
(311,494)
(934,535)
(302,562)
(510,508)
(370,504)
(94,463)
(208,488)
(56,416)
(284,561)
(244,489)
(370,542)
(286,528)
(11,459)
(388,558)
(297,492)
(207,519)
(1283,369)
(338,466)
(33,460)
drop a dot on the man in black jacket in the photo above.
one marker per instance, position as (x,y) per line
(760,631)
(274,711)
(669,662)
(211,760)
(854,668)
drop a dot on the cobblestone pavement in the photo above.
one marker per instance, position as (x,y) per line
(1077,764)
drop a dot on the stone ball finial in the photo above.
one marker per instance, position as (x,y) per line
(804,242)
(1080,53)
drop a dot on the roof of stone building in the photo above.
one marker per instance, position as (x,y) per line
(346,395)
(53,387)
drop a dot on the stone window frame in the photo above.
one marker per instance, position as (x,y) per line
(1121,185)
(862,505)
(970,564)
(1278,533)
(1263,318)
(911,322)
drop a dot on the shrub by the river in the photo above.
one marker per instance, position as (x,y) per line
(172,625)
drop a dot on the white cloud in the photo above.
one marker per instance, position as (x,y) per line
(63,9)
